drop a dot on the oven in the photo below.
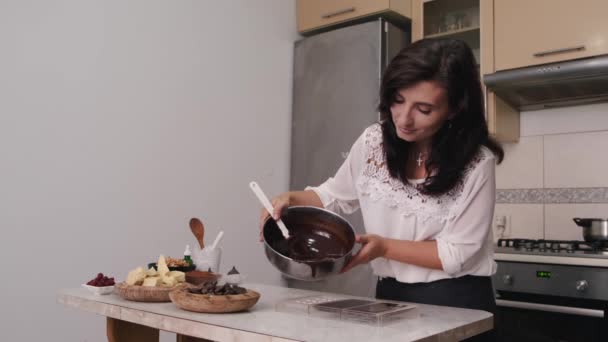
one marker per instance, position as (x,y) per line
(553,292)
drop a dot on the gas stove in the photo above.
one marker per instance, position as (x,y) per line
(553,246)
(561,252)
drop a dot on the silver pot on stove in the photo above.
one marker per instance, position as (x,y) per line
(594,229)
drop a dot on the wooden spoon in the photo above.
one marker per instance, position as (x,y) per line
(197,228)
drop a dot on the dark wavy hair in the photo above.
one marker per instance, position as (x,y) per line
(451,63)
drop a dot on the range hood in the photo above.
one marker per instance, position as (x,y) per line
(569,83)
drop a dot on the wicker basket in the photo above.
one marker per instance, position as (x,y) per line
(154,294)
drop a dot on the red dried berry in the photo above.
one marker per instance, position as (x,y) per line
(101,280)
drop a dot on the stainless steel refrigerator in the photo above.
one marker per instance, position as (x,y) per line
(335,95)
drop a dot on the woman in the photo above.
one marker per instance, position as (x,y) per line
(424,180)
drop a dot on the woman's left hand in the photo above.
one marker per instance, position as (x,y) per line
(374,246)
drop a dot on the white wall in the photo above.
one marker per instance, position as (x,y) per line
(121,119)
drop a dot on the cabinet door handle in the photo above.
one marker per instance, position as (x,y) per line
(557,51)
(338,12)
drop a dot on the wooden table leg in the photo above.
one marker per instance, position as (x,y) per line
(122,331)
(184,338)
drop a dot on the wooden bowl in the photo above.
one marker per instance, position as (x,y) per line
(212,303)
(200,277)
(137,293)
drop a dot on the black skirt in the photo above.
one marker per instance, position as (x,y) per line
(468,292)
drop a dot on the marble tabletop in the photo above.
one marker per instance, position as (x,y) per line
(264,323)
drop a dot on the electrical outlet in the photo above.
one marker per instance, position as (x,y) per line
(507,226)
(501,226)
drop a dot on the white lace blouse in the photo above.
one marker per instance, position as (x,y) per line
(460,220)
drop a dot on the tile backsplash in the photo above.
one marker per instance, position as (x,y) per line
(576,160)
(522,167)
(553,195)
(558,170)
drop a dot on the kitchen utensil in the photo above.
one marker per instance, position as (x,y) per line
(594,229)
(217,240)
(197,228)
(266,203)
(214,303)
(321,245)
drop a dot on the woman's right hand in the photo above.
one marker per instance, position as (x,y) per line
(279,204)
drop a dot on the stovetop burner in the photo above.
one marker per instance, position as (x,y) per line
(553,246)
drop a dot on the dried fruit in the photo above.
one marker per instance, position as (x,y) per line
(101,281)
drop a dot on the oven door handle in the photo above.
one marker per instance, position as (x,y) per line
(550,308)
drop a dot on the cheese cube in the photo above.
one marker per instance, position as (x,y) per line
(151,272)
(169,281)
(178,275)
(136,276)
(152,281)
(161,266)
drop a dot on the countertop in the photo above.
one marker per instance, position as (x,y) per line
(264,323)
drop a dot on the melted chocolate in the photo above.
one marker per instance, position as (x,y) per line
(314,250)
(309,243)
(310,246)
(312,241)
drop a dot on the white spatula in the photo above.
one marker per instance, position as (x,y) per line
(266,203)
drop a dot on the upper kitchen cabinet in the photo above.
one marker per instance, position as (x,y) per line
(319,15)
(457,19)
(473,22)
(544,31)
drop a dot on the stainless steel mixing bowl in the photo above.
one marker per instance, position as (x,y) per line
(321,243)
